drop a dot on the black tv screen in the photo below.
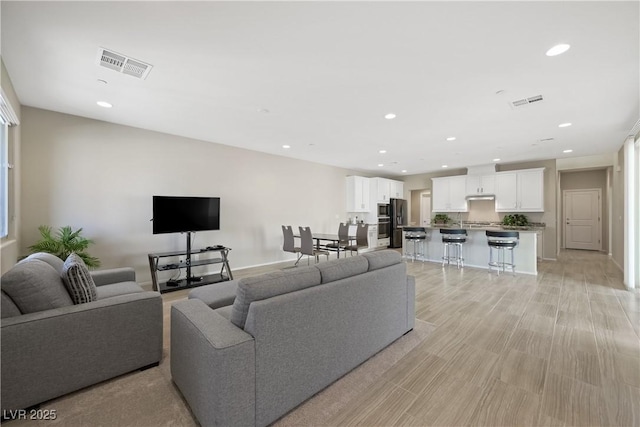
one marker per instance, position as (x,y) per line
(181,214)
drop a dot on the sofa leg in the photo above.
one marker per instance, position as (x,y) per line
(153,365)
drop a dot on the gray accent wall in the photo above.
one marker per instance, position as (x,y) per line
(102,176)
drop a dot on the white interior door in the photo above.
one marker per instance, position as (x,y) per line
(425,209)
(582,219)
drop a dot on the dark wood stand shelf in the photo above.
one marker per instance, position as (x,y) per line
(156,264)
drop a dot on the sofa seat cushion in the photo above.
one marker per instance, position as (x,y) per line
(115,289)
(225,311)
(78,280)
(35,286)
(342,268)
(216,295)
(270,285)
(381,259)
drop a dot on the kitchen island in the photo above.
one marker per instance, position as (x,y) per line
(476,250)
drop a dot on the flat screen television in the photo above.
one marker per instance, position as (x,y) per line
(173,214)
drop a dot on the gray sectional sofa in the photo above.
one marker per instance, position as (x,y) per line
(286,335)
(51,347)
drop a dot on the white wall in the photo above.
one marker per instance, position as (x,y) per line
(101,177)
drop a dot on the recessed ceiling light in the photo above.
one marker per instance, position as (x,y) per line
(104,82)
(390,116)
(263,111)
(564,125)
(496,160)
(286,146)
(404,171)
(558,49)
(451,138)
(567,151)
(380,164)
(382,151)
(445,166)
(104,104)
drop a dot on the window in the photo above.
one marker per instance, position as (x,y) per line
(4,180)
(7,118)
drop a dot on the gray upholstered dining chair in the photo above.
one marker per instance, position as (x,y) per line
(307,247)
(289,244)
(362,239)
(343,235)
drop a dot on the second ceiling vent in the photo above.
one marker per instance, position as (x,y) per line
(123,64)
(525,101)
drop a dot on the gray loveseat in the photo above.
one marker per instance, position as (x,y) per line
(51,347)
(288,335)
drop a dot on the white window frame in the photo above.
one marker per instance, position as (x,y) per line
(4,180)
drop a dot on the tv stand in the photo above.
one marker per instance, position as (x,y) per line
(159,262)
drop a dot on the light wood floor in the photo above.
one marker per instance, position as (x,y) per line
(562,348)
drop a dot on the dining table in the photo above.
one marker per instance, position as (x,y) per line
(327,237)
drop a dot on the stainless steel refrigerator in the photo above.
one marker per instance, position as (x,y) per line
(398,213)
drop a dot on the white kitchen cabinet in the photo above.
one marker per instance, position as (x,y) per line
(520,191)
(382,189)
(396,189)
(357,194)
(373,236)
(448,194)
(478,185)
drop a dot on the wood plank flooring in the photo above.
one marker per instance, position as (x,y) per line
(558,349)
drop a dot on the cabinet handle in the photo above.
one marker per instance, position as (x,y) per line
(478,190)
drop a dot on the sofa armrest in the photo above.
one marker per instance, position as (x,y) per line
(54,352)
(213,365)
(113,275)
(411,302)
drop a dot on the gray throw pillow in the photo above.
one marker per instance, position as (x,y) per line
(35,286)
(78,280)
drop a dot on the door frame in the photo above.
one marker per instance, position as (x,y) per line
(564,210)
(425,215)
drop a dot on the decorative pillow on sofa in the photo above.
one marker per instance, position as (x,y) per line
(78,280)
(35,286)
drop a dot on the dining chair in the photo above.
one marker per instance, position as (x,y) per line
(362,239)
(343,236)
(289,244)
(307,247)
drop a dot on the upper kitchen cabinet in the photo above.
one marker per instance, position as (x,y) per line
(478,185)
(449,194)
(357,194)
(396,189)
(386,189)
(520,191)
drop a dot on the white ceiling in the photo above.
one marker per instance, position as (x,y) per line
(328,72)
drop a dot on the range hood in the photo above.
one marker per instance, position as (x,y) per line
(481,197)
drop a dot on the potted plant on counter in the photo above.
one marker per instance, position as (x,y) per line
(515,220)
(441,219)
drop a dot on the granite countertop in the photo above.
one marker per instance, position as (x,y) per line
(485,225)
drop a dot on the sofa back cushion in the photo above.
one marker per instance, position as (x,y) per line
(9,308)
(342,268)
(381,259)
(50,259)
(35,286)
(78,280)
(270,285)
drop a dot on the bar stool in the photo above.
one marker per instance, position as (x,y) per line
(502,241)
(453,238)
(417,236)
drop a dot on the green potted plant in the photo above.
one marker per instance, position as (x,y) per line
(441,219)
(63,243)
(515,220)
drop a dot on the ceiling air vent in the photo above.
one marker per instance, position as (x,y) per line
(525,101)
(123,64)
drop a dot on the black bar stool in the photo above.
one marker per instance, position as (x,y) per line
(417,236)
(502,241)
(453,238)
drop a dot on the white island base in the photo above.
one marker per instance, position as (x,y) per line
(476,250)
